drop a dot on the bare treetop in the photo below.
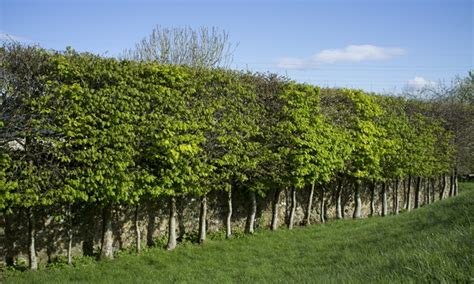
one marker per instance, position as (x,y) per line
(185,46)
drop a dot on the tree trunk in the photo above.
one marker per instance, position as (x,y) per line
(372,199)
(322,207)
(33,261)
(9,239)
(88,227)
(357,201)
(69,235)
(384,199)
(202,220)
(172,224)
(252,212)
(456,186)
(138,237)
(443,187)
(276,201)
(310,205)
(396,208)
(228,220)
(339,200)
(417,192)
(408,203)
(293,209)
(427,191)
(107,234)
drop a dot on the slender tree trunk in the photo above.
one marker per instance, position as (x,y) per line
(322,207)
(69,235)
(33,261)
(357,201)
(443,186)
(456,185)
(293,209)
(253,211)
(228,220)
(339,200)
(310,205)
(202,220)
(138,237)
(69,246)
(417,192)
(107,234)
(372,199)
(427,191)
(172,224)
(9,239)
(396,207)
(276,201)
(404,194)
(384,199)
(408,203)
(88,226)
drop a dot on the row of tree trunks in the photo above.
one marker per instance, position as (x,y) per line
(107,236)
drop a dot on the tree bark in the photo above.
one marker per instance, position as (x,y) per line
(310,205)
(228,224)
(69,235)
(202,220)
(33,261)
(396,208)
(292,209)
(417,192)
(408,197)
(107,234)
(138,237)
(9,239)
(276,201)
(339,200)
(456,185)
(357,201)
(322,207)
(443,187)
(172,224)
(372,199)
(252,212)
(384,199)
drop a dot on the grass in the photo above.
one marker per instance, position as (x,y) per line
(431,244)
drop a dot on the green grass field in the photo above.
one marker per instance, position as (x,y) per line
(434,243)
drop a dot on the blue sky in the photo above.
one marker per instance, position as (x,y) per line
(376,45)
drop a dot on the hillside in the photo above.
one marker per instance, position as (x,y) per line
(434,243)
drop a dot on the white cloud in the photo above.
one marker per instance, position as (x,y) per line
(418,83)
(351,53)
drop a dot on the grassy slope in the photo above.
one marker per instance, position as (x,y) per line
(435,242)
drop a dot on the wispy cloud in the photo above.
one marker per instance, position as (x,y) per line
(351,53)
(9,37)
(419,83)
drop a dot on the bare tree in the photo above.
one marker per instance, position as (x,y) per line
(185,46)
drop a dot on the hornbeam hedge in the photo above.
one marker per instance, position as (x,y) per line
(82,131)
